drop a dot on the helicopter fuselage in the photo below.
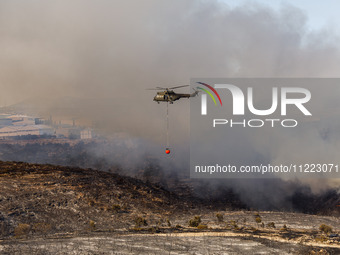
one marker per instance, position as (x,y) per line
(169,96)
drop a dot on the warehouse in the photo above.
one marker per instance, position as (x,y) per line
(27,130)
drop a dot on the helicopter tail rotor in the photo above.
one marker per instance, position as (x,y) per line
(195,93)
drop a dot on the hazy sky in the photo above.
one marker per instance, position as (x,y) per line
(320,14)
(47,46)
(105,53)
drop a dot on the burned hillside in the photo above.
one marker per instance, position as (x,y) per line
(66,199)
(117,157)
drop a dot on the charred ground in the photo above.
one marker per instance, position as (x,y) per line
(67,199)
(117,157)
(47,209)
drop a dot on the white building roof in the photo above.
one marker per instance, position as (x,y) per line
(18,116)
(4,116)
(9,129)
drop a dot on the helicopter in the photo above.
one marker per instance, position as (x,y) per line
(168,95)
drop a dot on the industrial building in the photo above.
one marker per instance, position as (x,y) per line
(22,126)
(23,120)
(86,134)
(27,130)
(15,126)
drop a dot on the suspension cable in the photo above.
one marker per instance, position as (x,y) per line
(167,124)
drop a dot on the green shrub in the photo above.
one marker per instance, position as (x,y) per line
(284,228)
(234,224)
(253,229)
(201,226)
(219,217)
(159,222)
(321,238)
(195,221)
(325,228)
(41,228)
(92,225)
(137,229)
(22,230)
(154,230)
(140,221)
(258,220)
(91,202)
(271,225)
(116,208)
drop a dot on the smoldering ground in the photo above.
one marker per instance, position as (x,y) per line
(102,55)
(135,157)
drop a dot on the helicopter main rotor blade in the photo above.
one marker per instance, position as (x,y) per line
(179,87)
(157,88)
(161,88)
